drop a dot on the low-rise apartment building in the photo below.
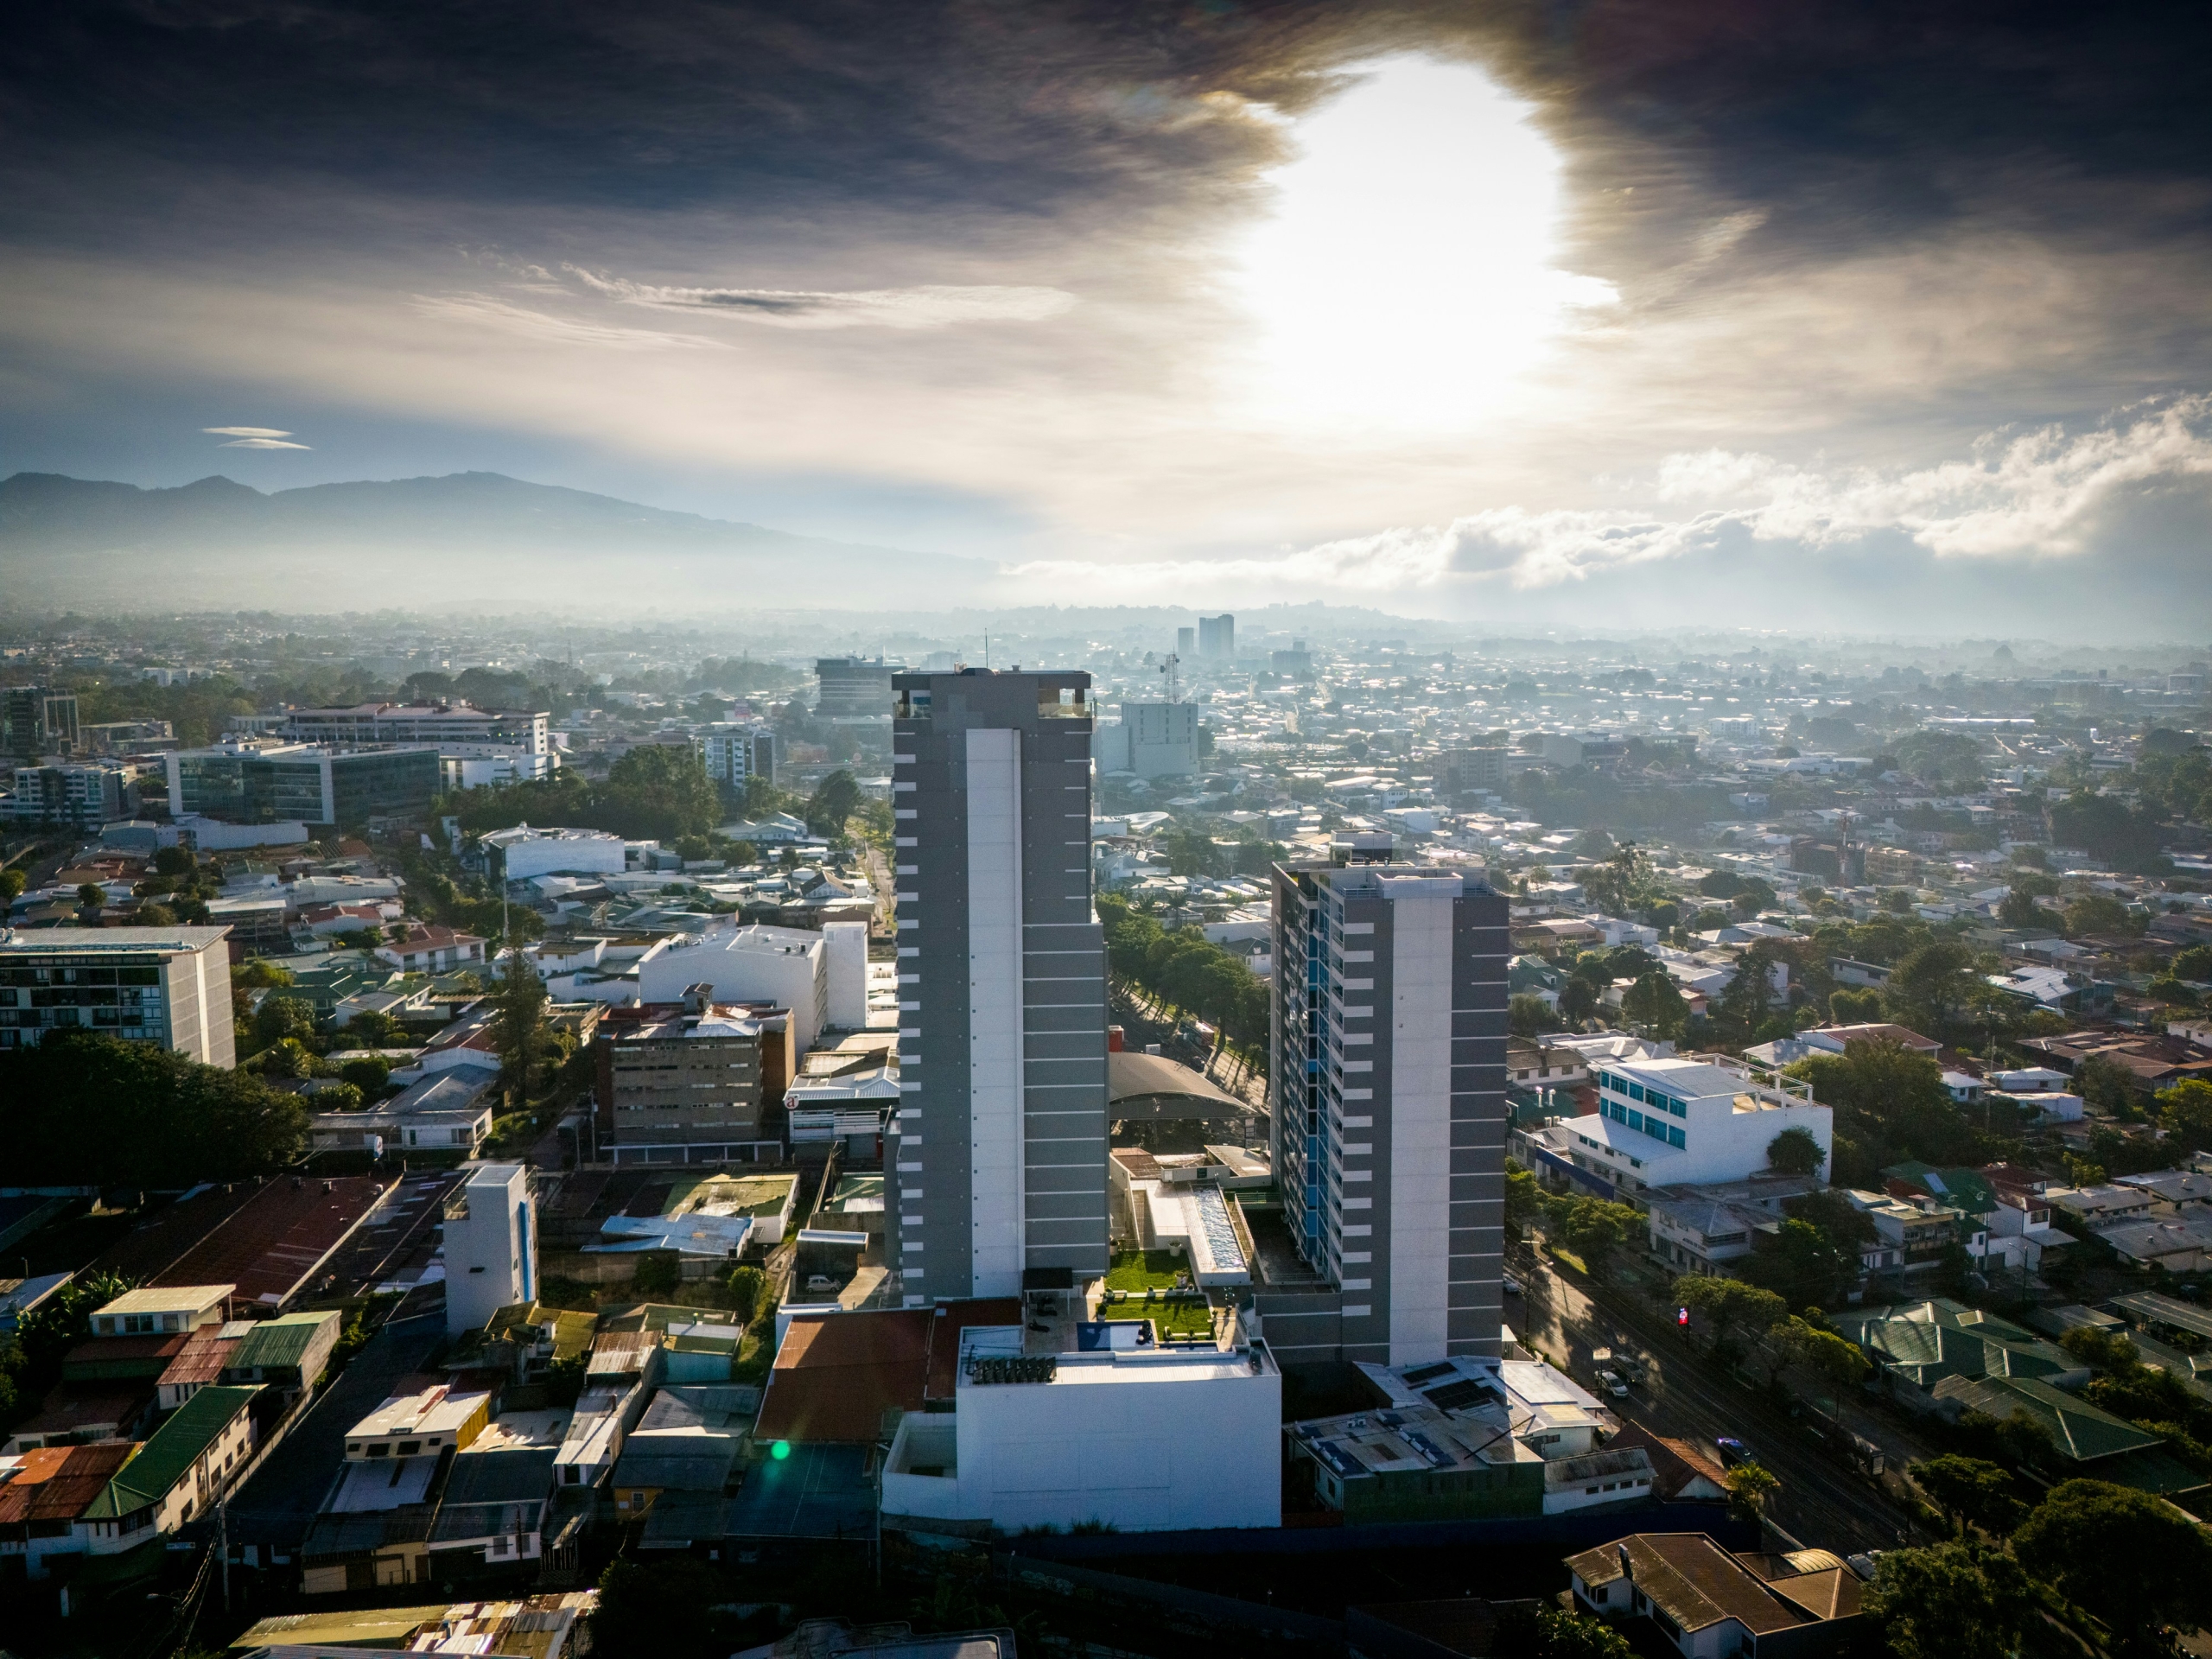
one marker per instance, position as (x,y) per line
(165,985)
(1688,1121)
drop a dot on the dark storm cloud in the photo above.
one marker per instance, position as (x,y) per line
(1869,119)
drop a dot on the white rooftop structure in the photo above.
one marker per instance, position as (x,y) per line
(1117,1431)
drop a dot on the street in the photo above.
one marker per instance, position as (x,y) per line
(1823,1503)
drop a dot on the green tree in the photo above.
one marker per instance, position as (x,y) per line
(1621,884)
(2131,1560)
(2106,1084)
(12,883)
(370,1076)
(86,1108)
(1803,1265)
(1859,1007)
(2193,964)
(835,800)
(1795,1151)
(659,791)
(2186,1110)
(1971,1492)
(1728,1305)
(92,898)
(2102,916)
(281,1017)
(1749,1486)
(2019,909)
(1578,1002)
(1524,1200)
(1930,987)
(1528,1630)
(1592,1228)
(1530,1016)
(522,999)
(1656,1006)
(372,1028)
(1953,1601)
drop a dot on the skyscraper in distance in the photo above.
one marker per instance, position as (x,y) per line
(998,1154)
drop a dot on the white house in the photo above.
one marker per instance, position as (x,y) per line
(1141,1438)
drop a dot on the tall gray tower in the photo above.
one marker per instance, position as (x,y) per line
(999,1152)
(1387,1103)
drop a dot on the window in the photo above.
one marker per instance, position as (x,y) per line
(1676,1139)
(1635,1091)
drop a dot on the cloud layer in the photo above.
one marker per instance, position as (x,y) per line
(1876,277)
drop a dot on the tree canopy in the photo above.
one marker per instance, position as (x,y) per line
(2130,1559)
(82,1107)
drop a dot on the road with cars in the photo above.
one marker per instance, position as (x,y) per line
(1824,1502)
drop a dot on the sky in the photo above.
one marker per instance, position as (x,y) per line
(1590,311)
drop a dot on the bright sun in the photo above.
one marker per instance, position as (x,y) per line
(1405,281)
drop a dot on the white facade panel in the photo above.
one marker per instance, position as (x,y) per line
(994,1038)
(1421,1117)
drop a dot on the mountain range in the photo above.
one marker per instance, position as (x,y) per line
(467,538)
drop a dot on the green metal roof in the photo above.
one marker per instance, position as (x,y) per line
(280,1342)
(2081,1431)
(370,1627)
(1940,1338)
(169,1452)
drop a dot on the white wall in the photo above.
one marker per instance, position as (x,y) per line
(995,1031)
(582,853)
(1159,1454)
(784,965)
(1421,1115)
(491,1257)
(845,948)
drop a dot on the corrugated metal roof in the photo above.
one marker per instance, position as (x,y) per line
(170,1452)
(280,1342)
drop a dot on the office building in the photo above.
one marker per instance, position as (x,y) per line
(1459,771)
(1001,1140)
(854,687)
(451,728)
(1152,740)
(491,1246)
(688,1076)
(255,781)
(1186,643)
(84,795)
(1217,636)
(166,985)
(1297,663)
(735,753)
(37,720)
(1388,1102)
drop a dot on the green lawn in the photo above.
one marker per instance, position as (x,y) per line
(1144,1270)
(1133,1273)
(1171,1319)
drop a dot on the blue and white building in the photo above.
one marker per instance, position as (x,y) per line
(1686,1121)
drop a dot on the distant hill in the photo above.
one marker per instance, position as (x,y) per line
(476,538)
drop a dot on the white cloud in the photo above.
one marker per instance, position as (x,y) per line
(540,325)
(930,307)
(246,431)
(2033,495)
(263,443)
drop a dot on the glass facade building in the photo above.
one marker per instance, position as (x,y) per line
(302,782)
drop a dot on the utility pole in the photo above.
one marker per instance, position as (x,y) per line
(223,1540)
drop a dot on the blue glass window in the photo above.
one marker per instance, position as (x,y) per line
(1635,1091)
(1674,1137)
(1636,1119)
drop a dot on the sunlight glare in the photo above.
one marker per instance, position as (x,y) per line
(1405,280)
